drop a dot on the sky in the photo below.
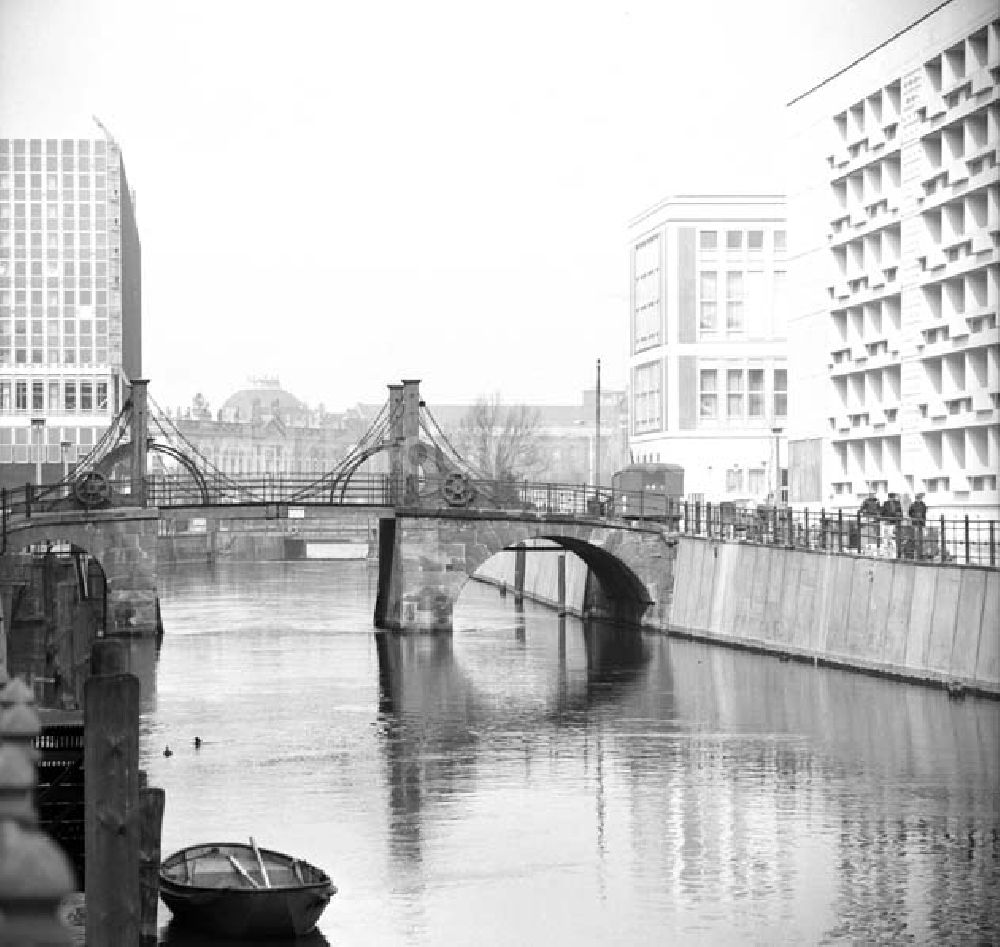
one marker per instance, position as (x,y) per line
(342,195)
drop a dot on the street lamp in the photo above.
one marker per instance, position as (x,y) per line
(776,431)
(38,442)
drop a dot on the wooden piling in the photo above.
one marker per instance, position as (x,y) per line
(151,804)
(111,773)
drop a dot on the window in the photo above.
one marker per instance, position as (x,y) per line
(780,241)
(708,239)
(646,289)
(755,240)
(646,397)
(734,239)
(709,393)
(756,484)
(734,393)
(38,396)
(20,396)
(53,396)
(709,305)
(69,390)
(86,396)
(102,396)
(755,393)
(734,301)
(780,392)
(734,480)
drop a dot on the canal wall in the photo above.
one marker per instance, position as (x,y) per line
(541,578)
(934,623)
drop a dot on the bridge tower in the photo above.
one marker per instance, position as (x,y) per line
(404,434)
(139,434)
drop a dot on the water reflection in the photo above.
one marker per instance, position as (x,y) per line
(614,786)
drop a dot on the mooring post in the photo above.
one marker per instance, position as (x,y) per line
(35,874)
(111,793)
(151,804)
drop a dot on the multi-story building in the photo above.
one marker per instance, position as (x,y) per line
(894,222)
(708,376)
(70,301)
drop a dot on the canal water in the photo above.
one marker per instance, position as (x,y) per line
(531,780)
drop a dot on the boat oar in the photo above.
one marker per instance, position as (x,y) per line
(242,871)
(260,862)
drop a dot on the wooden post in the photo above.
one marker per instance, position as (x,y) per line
(561,579)
(111,793)
(151,803)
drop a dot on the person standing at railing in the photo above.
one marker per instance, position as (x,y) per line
(870,510)
(892,514)
(918,520)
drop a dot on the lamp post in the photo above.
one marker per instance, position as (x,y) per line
(64,455)
(38,442)
(776,432)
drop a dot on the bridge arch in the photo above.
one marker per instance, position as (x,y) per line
(425,557)
(123,542)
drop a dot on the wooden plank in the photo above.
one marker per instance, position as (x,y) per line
(111,772)
(151,804)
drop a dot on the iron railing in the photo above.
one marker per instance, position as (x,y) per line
(966,541)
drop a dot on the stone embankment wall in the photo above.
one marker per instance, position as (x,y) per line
(919,621)
(541,578)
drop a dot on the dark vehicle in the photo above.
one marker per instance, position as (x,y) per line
(648,490)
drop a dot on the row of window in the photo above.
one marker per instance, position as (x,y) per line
(52,164)
(34,146)
(747,303)
(67,395)
(52,243)
(744,396)
(736,240)
(66,355)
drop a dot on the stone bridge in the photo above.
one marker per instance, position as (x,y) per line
(426,556)
(123,541)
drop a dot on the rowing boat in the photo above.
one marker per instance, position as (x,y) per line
(235,890)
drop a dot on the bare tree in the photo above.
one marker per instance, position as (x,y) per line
(503,442)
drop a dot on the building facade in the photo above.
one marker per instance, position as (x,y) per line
(707,363)
(70,300)
(263,430)
(894,220)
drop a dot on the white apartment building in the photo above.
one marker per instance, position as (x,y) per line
(894,223)
(708,374)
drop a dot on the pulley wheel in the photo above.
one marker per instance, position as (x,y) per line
(92,489)
(458,489)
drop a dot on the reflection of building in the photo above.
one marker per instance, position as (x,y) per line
(709,383)
(265,430)
(70,328)
(894,218)
(566,436)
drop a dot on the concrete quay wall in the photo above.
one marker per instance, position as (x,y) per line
(913,620)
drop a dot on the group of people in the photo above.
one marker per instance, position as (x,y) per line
(892,509)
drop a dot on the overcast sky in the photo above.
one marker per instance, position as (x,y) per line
(344,195)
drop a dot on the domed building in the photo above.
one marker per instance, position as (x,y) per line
(263,429)
(263,401)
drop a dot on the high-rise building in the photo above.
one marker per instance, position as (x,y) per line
(894,223)
(708,376)
(70,300)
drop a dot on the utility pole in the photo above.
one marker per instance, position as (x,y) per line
(597,439)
